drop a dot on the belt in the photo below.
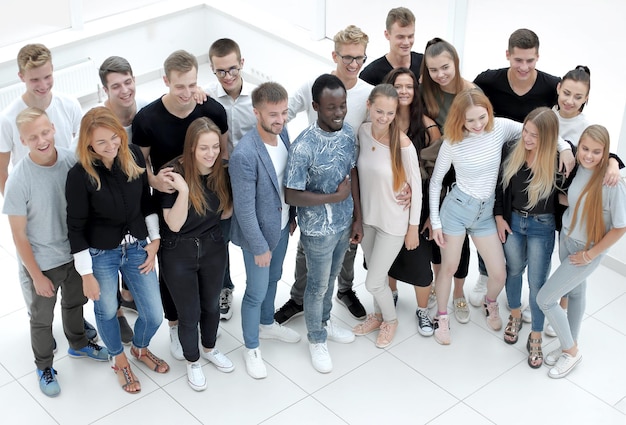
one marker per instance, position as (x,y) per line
(523,213)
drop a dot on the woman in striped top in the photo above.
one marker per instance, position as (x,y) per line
(473,144)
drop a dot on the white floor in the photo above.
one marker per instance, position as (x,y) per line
(477,380)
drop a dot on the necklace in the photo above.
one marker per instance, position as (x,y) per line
(379,139)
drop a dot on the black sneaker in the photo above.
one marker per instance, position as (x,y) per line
(287,312)
(90,331)
(126,332)
(350,301)
(129,305)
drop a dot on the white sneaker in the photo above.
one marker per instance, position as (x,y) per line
(255,366)
(195,376)
(526,315)
(553,357)
(549,330)
(279,332)
(338,334)
(479,291)
(175,348)
(320,357)
(565,365)
(219,360)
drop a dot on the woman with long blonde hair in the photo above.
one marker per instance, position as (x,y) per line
(113,227)
(525,207)
(594,220)
(193,253)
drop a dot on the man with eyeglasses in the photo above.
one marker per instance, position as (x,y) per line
(236,98)
(400,31)
(349,55)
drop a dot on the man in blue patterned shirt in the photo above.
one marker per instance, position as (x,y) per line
(321,181)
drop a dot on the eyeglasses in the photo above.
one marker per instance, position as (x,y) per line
(347,60)
(221,73)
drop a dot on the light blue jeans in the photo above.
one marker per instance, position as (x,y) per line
(126,259)
(531,244)
(257,306)
(324,257)
(570,280)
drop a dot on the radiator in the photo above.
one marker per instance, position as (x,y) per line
(78,80)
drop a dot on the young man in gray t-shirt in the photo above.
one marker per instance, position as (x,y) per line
(34,200)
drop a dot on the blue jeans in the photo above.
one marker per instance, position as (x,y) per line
(126,259)
(257,306)
(570,280)
(324,257)
(531,244)
(225,226)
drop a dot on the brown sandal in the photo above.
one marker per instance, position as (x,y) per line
(535,355)
(146,357)
(126,378)
(511,332)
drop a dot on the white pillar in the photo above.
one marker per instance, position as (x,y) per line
(318,31)
(76,15)
(457,23)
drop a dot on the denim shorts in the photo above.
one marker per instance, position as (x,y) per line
(462,213)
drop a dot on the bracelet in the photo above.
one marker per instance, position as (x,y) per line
(586,257)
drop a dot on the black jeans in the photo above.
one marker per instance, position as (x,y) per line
(193,269)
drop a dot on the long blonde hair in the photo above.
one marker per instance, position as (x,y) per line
(103,117)
(543,168)
(592,211)
(395,145)
(217,180)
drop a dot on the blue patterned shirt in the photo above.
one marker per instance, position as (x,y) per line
(318,161)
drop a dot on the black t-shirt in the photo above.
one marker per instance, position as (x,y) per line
(519,201)
(164,133)
(375,72)
(196,225)
(506,103)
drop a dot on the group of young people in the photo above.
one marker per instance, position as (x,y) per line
(404,157)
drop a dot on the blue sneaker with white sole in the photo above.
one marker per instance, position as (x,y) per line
(48,382)
(92,351)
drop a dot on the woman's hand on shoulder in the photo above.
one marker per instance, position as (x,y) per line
(177,181)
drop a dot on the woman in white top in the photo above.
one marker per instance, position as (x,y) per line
(473,144)
(387,163)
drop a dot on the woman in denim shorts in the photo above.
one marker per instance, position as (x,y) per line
(473,144)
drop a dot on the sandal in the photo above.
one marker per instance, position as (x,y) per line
(146,357)
(535,355)
(511,332)
(126,378)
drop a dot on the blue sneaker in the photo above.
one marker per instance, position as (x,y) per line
(91,350)
(48,382)
(90,331)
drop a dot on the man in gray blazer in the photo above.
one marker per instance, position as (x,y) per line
(262,221)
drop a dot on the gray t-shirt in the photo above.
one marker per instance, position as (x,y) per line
(613,206)
(38,193)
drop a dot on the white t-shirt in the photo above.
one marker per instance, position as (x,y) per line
(278,155)
(571,128)
(302,100)
(64,112)
(239,113)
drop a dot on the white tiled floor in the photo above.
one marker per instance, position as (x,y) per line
(477,380)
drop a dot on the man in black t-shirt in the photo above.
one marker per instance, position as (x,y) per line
(160,128)
(401,34)
(514,92)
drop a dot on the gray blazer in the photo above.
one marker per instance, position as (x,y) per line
(256,195)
